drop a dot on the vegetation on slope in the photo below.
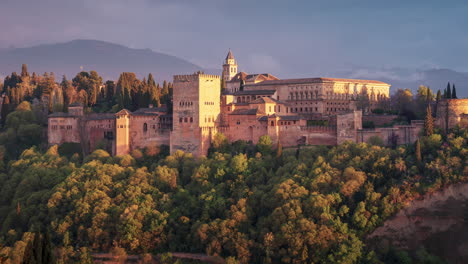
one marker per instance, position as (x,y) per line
(252,203)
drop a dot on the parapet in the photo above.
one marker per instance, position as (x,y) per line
(194,77)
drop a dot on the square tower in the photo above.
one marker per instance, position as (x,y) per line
(196,110)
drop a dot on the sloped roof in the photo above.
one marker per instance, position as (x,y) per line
(252,77)
(151,110)
(123,112)
(229,55)
(255,92)
(263,100)
(315,80)
(238,77)
(61,114)
(100,116)
(261,76)
(245,112)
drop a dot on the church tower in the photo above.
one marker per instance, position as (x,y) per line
(229,67)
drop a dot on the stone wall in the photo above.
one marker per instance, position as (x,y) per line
(398,134)
(196,105)
(347,126)
(63,129)
(100,131)
(379,120)
(450,112)
(144,131)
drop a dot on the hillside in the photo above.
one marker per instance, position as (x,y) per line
(108,59)
(438,222)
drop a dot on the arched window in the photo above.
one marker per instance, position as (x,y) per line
(191,119)
(272,123)
(145,127)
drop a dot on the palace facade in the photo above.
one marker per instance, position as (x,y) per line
(312,111)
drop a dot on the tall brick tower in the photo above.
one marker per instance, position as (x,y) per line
(229,67)
(196,109)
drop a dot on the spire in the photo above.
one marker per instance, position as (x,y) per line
(229,55)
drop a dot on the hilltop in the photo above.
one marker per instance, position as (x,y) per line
(108,59)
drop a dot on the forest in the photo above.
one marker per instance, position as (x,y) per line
(246,203)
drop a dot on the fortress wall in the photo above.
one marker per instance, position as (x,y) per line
(398,134)
(379,120)
(63,129)
(153,136)
(450,112)
(347,125)
(249,129)
(96,131)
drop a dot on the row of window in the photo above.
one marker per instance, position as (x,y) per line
(185,120)
(185,103)
(209,119)
(209,103)
(283,123)
(337,103)
(303,95)
(276,108)
(55,127)
(336,109)
(302,109)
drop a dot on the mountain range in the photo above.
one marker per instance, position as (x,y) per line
(110,59)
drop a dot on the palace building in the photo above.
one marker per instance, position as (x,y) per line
(311,111)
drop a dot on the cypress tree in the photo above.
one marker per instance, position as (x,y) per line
(418,151)
(279,150)
(449,91)
(24,70)
(47,256)
(428,122)
(454,92)
(439,96)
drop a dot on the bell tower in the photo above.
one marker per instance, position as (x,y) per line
(229,67)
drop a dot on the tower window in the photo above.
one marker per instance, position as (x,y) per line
(145,127)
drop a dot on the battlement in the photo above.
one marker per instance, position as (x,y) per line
(194,77)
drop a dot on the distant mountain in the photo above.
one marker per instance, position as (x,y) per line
(108,59)
(404,78)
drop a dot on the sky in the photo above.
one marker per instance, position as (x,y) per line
(284,37)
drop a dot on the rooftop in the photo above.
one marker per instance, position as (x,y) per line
(255,92)
(245,112)
(314,80)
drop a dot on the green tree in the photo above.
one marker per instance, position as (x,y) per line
(279,150)
(24,71)
(449,91)
(428,122)
(454,92)
(418,151)
(264,145)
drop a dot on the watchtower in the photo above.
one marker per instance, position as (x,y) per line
(196,110)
